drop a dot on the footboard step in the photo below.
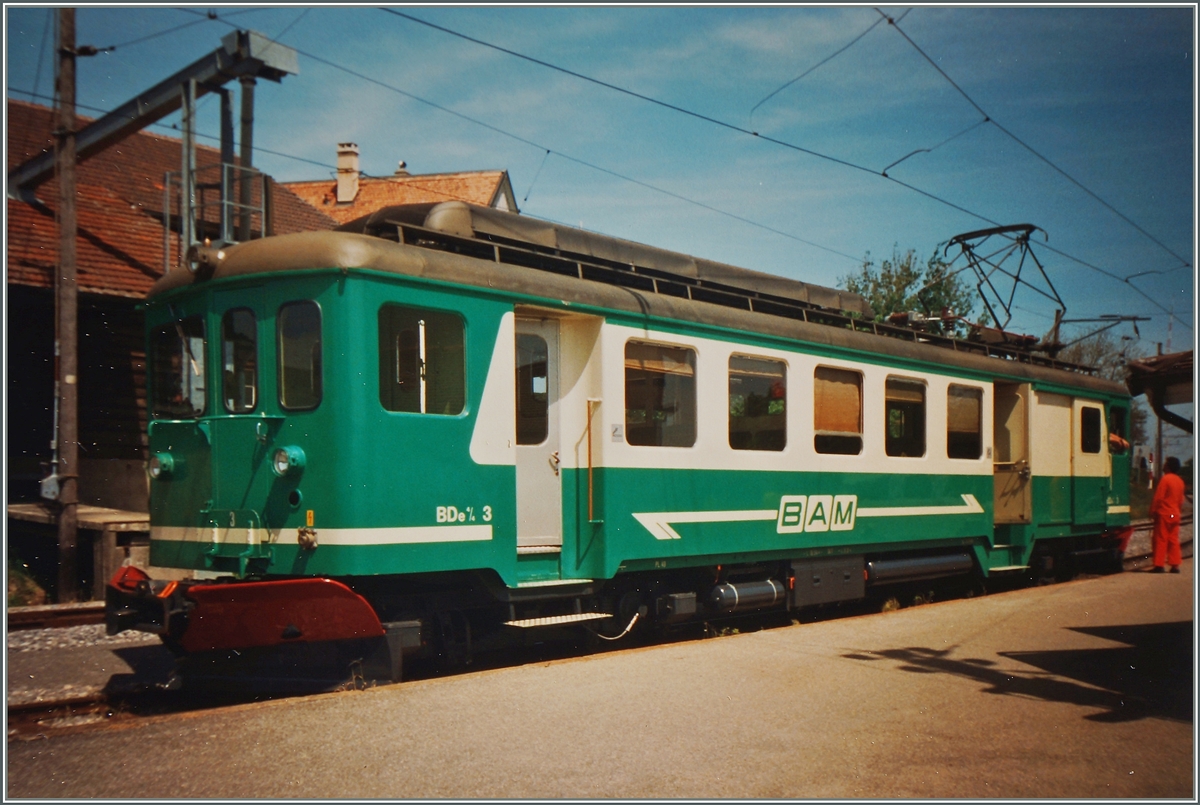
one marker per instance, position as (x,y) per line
(558,620)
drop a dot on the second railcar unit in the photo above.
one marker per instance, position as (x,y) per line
(455,421)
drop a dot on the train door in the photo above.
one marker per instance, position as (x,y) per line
(1054,428)
(539,491)
(1011,439)
(240,430)
(1119,461)
(1090,464)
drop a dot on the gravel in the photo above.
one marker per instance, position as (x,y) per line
(74,637)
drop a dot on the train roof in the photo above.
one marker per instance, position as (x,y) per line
(459,219)
(394,243)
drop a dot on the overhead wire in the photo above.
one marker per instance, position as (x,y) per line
(930,150)
(825,60)
(292,24)
(175,127)
(148,37)
(632,94)
(536,174)
(988,118)
(706,118)
(736,128)
(37,74)
(568,157)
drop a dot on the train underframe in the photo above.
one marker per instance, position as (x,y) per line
(323,632)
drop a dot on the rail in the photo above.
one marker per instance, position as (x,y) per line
(55,616)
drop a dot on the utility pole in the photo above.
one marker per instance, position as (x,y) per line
(66,338)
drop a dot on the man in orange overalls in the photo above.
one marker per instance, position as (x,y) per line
(1168,501)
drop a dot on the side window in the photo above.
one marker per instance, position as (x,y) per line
(239,358)
(964,422)
(837,411)
(660,395)
(422,367)
(177,369)
(905,426)
(533,389)
(1089,429)
(299,332)
(757,404)
(1118,439)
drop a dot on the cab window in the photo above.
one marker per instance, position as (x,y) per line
(239,358)
(299,332)
(1118,436)
(421,361)
(177,369)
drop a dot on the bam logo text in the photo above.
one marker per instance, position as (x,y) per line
(815,513)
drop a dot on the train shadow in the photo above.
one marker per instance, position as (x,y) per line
(1150,676)
(150,667)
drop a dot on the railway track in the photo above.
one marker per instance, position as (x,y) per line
(55,616)
(37,720)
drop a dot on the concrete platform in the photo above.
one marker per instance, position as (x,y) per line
(1082,689)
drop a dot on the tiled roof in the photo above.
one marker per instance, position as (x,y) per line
(119,209)
(475,187)
(118,249)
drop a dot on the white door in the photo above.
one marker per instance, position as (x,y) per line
(539,489)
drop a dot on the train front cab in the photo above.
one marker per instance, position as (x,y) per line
(243,439)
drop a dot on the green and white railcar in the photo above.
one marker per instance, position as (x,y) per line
(461,413)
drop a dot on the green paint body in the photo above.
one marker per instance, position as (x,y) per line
(370,468)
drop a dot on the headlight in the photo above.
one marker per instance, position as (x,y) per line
(288,460)
(161,466)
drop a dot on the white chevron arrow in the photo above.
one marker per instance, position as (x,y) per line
(659,523)
(970,506)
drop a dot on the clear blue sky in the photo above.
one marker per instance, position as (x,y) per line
(1104,96)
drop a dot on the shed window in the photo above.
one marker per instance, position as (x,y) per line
(1089,429)
(837,411)
(905,427)
(239,358)
(299,331)
(177,366)
(964,422)
(660,395)
(757,404)
(422,368)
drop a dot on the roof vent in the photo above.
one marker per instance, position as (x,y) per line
(402,169)
(347,172)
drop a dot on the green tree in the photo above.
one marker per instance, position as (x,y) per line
(904,283)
